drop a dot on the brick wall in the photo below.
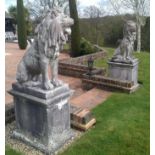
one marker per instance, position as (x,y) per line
(76,67)
(107,83)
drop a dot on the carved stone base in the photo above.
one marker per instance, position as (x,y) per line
(42,117)
(123,71)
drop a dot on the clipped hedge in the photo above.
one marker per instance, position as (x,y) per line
(21,24)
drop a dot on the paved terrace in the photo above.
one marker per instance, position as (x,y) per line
(81,98)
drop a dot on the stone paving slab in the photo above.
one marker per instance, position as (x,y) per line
(12,57)
(90,99)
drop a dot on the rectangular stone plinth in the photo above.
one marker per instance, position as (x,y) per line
(123,71)
(42,117)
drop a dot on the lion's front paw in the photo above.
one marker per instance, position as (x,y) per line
(47,86)
(57,83)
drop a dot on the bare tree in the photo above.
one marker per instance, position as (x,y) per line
(38,7)
(94,13)
(140,8)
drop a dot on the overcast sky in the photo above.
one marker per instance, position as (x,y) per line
(8,3)
(83,3)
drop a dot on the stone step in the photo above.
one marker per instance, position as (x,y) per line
(75,84)
(77,92)
(90,99)
(83,127)
(81,118)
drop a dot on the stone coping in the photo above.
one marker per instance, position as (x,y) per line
(39,96)
(76,67)
(40,93)
(82,59)
(135,62)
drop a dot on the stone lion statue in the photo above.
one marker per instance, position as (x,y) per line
(51,35)
(124,52)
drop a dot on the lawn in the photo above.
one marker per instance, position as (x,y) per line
(123,121)
(10,151)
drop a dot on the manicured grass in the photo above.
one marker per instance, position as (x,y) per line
(103,62)
(9,151)
(123,121)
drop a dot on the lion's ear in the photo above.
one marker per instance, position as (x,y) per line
(55,31)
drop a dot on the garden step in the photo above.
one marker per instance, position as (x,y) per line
(90,99)
(77,92)
(83,126)
(81,118)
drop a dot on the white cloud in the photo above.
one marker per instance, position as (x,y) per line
(84,3)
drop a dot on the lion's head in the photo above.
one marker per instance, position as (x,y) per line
(54,28)
(130,30)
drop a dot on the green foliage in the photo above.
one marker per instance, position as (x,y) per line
(21,24)
(86,47)
(123,122)
(91,30)
(66,47)
(145,38)
(75,35)
(103,61)
(13,12)
(111,30)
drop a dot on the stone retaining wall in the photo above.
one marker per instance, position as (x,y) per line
(84,59)
(78,70)
(107,83)
(76,67)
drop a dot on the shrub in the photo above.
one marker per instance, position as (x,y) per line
(22,38)
(75,35)
(145,36)
(86,47)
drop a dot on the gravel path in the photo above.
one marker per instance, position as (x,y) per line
(26,149)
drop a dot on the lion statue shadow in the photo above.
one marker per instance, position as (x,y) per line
(51,34)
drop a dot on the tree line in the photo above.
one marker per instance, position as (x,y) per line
(110,30)
(96,28)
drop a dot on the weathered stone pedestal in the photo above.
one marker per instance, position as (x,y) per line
(42,117)
(124,71)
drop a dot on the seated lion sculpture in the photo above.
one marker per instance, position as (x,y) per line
(124,52)
(51,35)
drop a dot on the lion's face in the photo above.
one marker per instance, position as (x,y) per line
(130,30)
(54,29)
(66,22)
